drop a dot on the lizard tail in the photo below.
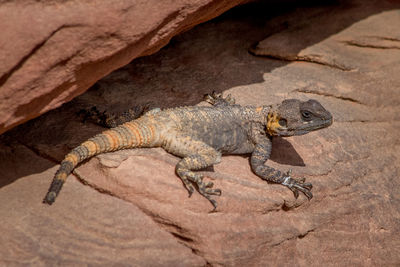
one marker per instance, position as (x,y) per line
(131,134)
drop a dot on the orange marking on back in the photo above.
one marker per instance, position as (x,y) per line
(259,109)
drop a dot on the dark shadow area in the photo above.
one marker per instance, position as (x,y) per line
(284,153)
(212,56)
(16,161)
(39,144)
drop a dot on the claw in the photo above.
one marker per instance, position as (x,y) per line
(309,195)
(296,193)
(207,196)
(216,99)
(296,185)
(208,99)
(190,192)
(301,180)
(209,184)
(189,187)
(212,98)
(307,185)
(305,192)
(229,99)
(214,203)
(210,191)
(204,188)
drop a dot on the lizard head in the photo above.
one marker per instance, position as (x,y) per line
(295,117)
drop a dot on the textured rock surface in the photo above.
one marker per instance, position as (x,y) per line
(52,51)
(140,213)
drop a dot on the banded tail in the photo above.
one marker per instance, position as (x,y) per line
(137,133)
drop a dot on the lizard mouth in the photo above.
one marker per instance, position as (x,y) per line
(312,126)
(304,128)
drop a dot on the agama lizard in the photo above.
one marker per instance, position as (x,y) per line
(201,134)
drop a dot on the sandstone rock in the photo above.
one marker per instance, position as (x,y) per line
(135,203)
(52,51)
(108,232)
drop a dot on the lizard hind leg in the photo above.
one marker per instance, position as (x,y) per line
(216,99)
(194,162)
(110,120)
(195,155)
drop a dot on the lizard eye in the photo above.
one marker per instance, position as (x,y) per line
(282,122)
(306,115)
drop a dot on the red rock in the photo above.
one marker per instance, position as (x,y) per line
(53,51)
(133,202)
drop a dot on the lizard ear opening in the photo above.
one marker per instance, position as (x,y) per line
(282,122)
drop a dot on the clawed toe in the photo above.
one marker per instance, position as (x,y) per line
(300,180)
(212,98)
(209,184)
(206,191)
(304,190)
(189,187)
(307,185)
(204,188)
(210,191)
(216,99)
(214,203)
(190,190)
(296,185)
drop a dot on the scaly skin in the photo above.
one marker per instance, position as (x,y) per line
(200,135)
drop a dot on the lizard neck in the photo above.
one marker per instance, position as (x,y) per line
(257,114)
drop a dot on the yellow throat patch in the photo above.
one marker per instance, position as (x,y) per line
(272,123)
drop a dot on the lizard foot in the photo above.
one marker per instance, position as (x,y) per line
(188,185)
(111,120)
(205,189)
(216,99)
(207,192)
(296,185)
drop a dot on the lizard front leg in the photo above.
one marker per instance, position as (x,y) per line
(260,155)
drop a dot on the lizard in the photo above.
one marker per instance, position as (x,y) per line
(200,135)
